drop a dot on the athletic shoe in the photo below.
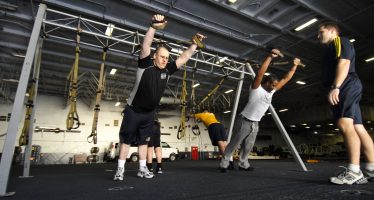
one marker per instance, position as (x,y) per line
(369,174)
(159,170)
(119,174)
(246,169)
(348,177)
(231,166)
(222,169)
(145,173)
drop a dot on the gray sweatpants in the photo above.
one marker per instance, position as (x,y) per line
(244,134)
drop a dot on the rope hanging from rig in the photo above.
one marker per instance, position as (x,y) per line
(212,92)
(24,137)
(99,93)
(182,125)
(73,116)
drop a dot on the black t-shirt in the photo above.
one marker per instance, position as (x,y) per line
(149,85)
(341,47)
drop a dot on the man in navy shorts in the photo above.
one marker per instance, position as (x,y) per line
(344,95)
(151,79)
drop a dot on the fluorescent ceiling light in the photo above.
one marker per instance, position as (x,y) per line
(283,110)
(308,23)
(267,73)
(18,55)
(109,30)
(292,125)
(178,51)
(228,91)
(304,124)
(300,82)
(315,132)
(227,111)
(195,85)
(269,113)
(330,124)
(307,127)
(369,59)
(11,80)
(113,71)
(336,129)
(352,40)
(231,1)
(117,104)
(318,126)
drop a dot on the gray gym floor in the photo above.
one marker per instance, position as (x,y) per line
(186,179)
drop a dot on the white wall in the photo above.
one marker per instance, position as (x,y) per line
(52,112)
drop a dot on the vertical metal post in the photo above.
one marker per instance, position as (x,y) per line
(282,129)
(235,108)
(10,140)
(27,154)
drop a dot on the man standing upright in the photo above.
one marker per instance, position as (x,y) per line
(344,95)
(151,80)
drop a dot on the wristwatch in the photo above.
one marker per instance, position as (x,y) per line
(335,87)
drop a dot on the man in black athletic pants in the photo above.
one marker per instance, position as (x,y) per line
(154,144)
(151,79)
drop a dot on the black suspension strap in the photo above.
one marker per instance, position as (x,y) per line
(99,93)
(73,117)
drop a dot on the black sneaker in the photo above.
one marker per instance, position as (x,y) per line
(222,169)
(246,169)
(159,170)
(231,166)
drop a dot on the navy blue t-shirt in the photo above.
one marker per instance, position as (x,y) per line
(149,85)
(341,47)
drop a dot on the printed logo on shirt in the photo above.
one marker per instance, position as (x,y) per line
(164,76)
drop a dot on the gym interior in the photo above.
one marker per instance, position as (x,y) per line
(68,67)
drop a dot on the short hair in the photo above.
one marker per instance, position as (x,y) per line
(160,47)
(270,78)
(330,25)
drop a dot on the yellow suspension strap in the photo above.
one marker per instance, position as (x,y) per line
(73,78)
(338,47)
(212,92)
(99,92)
(182,126)
(24,138)
(195,128)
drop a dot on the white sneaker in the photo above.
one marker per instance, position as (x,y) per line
(119,174)
(145,173)
(348,177)
(369,174)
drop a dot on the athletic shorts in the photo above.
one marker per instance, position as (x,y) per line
(349,100)
(136,127)
(217,133)
(155,140)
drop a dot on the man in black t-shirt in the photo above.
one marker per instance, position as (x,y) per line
(151,79)
(344,96)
